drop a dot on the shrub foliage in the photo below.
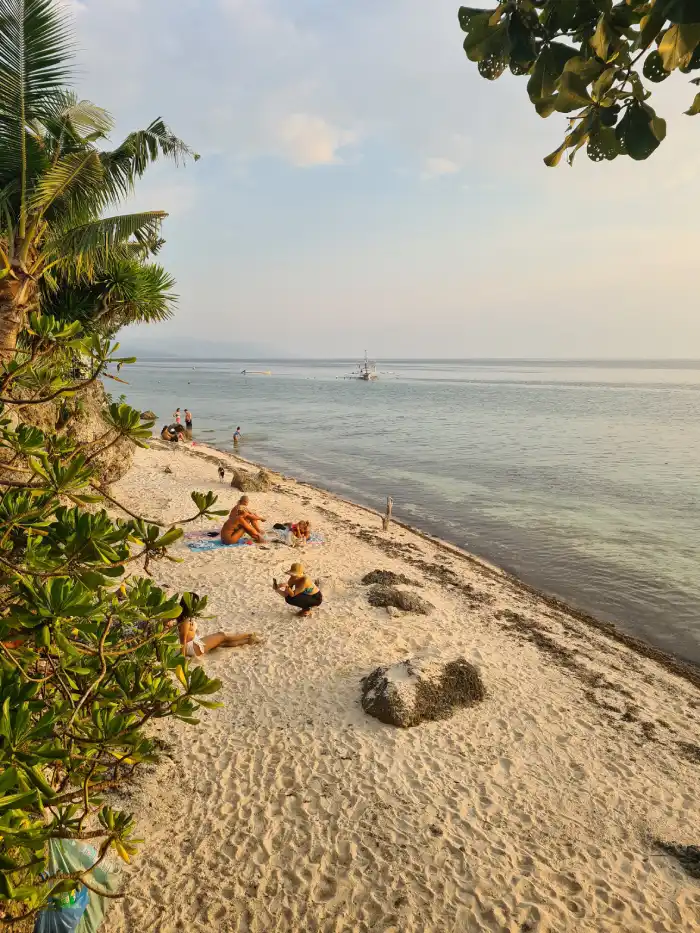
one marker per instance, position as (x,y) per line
(86,660)
(88,652)
(593,59)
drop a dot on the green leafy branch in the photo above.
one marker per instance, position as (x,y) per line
(590,59)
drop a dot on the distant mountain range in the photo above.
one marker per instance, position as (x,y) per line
(132,343)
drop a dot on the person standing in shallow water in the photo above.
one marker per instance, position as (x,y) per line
(188,419)
(236,436)
(177,416)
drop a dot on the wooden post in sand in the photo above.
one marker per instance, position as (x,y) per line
(387,517)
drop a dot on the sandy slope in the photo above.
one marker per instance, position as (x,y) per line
(290,810)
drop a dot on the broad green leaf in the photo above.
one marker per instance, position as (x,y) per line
(605,40)
(573,94)
(587,69)
(682,11)
(170,537)
(466,14)
(694,107)
(603,83)
(546,72)
(554,158)
(17,801)
(678,44)
(640,131)
(653,68)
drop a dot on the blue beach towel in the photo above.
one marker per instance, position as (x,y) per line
(215,544)
(202,542)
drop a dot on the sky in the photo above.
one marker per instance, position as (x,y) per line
(362,187)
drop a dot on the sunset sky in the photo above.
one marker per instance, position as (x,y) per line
(362,186)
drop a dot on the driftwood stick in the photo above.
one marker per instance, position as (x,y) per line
(387,516)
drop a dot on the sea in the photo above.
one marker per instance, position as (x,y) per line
(579,477)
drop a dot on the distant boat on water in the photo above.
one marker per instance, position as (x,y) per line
(256,372)
(366,370)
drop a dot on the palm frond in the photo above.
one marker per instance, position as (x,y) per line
(136,293)
(128,162)
(18,147)
(76,180)
(35,54)
(35,51)
(125,292)
(81,250)
(72,122)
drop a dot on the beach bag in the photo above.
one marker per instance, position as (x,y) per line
(81,911)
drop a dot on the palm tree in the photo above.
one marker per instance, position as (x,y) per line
(57,187)
(126,291)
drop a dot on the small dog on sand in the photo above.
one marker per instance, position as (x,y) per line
(222,473)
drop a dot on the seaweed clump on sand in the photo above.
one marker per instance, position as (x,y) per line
(421,689)
(688,857)
(384,597)
(251,482)
(387,578)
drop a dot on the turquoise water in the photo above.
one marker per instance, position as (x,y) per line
(581,477)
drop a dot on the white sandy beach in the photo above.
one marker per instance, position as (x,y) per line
(289,809)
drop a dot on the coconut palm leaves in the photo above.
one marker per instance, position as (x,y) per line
(58,186)
(35,55)
(125,292)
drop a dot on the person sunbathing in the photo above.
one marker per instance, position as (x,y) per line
(194,646)
(242,521)
(299,532)
(299,591)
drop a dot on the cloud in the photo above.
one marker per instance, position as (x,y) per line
(308,140)
(436,166)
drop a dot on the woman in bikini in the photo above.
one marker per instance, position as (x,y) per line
(194,646)
(301,532)
(242,521)
(297,532)
(299,591)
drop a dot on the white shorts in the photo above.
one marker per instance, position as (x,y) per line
(191,652)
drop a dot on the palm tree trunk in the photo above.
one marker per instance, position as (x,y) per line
(17,298)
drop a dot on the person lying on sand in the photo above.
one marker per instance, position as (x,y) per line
(299,532)
(242,521)
(194,646)
(299,591)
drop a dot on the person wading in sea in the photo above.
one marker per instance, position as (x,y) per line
(188,419)
(236,436)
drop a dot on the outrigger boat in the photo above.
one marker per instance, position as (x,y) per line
(366,370)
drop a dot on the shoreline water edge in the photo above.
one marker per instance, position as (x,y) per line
(677,665)
(561,803)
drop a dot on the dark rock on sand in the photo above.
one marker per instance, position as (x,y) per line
(385,596)
(688,857)
(421,690)
(251,482)
(388,578)
(148,416)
